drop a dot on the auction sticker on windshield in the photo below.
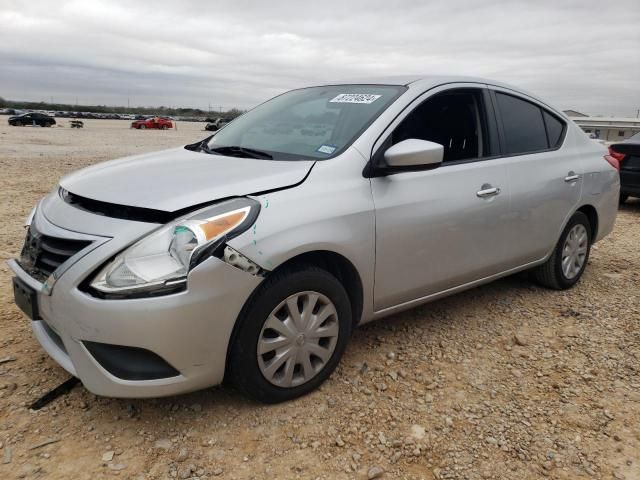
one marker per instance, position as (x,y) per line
(355,98)
(328,149)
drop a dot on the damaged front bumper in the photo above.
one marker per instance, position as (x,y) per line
(142,347)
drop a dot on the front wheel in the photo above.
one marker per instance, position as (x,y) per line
(566,264)
(164,127)
(292,334)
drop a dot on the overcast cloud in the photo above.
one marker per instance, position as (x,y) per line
(581,54)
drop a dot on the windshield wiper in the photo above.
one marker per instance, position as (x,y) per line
(202,145)
(237,151)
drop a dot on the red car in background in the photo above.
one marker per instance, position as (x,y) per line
(155,122)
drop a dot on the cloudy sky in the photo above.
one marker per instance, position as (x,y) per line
(580,54)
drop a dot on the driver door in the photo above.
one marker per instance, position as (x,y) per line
(445,227)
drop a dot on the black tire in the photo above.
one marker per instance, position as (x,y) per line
(623,198)
(550,273)
(164,127)
(142,127)
(244,371)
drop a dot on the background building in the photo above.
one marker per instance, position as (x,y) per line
(609,129)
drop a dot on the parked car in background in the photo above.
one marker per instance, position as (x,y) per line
(13,111)
(154,122)
(32,118)
(216,125)
(627,154)
(252,254)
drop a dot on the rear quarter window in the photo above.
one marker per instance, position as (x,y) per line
(555,129)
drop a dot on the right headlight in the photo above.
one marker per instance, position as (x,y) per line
(161,261)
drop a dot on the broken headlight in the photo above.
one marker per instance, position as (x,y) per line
(161,260)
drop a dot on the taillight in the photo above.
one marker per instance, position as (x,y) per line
(614,158)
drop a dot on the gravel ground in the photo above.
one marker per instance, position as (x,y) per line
(506,381)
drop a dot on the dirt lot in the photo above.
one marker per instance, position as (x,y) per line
(508,381)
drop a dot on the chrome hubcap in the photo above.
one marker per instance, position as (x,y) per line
(298,339)
(574,251)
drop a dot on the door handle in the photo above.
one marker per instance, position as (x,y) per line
(488,191)
(571,177)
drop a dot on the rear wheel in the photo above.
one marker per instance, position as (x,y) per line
(164,127)
(292,334)
(566,264)
(142,127)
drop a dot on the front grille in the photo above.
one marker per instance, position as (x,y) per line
(42,254)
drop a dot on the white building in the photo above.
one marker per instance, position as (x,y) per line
(609,129)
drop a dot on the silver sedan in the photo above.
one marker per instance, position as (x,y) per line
(253,254)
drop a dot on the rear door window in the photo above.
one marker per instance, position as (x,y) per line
(522,124)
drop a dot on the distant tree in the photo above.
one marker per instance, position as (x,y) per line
(193,113)
(234,112)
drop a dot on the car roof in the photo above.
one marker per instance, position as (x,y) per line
(409,80)
(425,82)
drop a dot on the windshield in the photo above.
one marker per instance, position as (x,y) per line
(311,123)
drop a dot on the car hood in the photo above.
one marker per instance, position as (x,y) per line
(179,178)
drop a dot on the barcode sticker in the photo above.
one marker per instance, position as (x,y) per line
(355,98)
(328,149)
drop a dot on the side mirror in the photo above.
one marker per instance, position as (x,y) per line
(414,153)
